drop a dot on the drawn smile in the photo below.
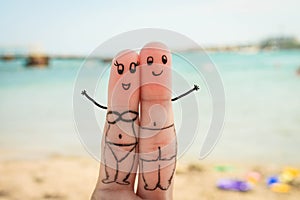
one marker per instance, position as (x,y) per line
(154,74)
(126,86)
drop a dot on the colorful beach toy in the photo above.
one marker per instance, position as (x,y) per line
(272,180)
(289,174)
(253,177)
(280,188)
(233,185)
(223,168)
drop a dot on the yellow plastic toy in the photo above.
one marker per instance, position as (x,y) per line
(280,188)
(288,174)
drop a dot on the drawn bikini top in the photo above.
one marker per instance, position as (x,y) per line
(113,117)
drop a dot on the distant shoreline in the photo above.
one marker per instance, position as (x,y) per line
(234,49)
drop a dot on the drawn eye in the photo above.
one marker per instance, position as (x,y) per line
(164,59)
(149,60)
(132,67)
(120,67)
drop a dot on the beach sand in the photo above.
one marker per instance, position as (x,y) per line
(61,177)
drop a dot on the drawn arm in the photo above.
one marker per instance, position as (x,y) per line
(196,87)
(92,100)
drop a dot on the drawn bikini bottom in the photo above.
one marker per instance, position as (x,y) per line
(121,151)
(151,164)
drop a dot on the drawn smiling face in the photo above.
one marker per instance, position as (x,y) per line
(164,61)
(156,72)
(124,78)
(120,68)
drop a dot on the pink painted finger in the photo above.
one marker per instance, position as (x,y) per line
(157,140)
(119,146)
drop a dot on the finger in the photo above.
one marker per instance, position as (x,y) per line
(119,145)
(157,140)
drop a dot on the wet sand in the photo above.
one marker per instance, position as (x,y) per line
(61,177)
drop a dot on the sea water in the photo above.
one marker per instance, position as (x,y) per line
(262,107)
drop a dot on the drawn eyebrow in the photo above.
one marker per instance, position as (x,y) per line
(116,63)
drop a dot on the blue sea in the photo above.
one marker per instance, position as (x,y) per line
(262,121)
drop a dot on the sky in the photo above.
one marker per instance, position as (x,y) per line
(77,27)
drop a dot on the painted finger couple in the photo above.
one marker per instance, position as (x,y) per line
(139,131)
